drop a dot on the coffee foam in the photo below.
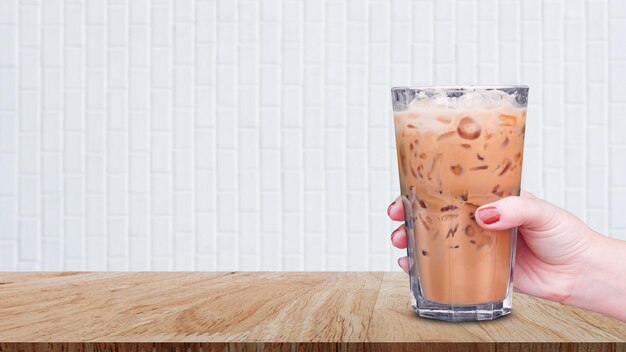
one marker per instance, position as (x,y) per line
(473,99)
(430,111)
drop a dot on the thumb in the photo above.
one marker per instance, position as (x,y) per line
(526,211)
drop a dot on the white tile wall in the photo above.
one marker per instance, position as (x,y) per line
(246,135)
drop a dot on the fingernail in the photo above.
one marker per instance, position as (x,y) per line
(489,215)
(390,205)
(393,234)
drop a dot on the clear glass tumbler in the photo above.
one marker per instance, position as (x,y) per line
(459,148)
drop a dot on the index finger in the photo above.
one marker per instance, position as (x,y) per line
(396,210)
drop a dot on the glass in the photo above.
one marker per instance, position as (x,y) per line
(458,148)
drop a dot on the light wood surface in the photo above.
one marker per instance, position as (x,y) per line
(532,320)
(268,311)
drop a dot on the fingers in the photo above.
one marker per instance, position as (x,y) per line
(404,264)
(398,237)
(527,211)
(396,210)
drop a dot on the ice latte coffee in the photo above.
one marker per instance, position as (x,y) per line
(458,148)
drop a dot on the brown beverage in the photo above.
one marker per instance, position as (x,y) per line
(456,154)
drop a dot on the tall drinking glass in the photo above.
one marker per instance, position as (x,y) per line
(458,148)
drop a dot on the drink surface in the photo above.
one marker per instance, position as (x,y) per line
(455,154)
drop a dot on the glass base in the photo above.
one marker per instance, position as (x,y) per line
(474,312)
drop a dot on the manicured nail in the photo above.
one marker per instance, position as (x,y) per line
(390,205)
(393,234)
(489,215)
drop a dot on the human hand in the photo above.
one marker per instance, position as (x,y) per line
(554,251)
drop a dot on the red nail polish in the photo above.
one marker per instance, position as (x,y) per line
(390,205)
(489,215)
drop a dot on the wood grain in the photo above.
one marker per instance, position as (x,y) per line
(532,320)
(188,307)
(319,346)
(268,312)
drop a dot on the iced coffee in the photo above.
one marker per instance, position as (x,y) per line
(459,148)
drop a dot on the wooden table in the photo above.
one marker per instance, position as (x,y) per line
(269,311)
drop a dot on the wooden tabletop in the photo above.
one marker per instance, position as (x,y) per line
(266,311)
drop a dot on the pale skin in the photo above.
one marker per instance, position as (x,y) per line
(558,257)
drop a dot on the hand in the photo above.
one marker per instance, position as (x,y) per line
(558,257)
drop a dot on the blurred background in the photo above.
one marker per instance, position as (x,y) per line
(257,135)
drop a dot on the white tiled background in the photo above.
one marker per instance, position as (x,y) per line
(246,135)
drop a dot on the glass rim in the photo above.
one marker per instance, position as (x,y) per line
(459,87)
